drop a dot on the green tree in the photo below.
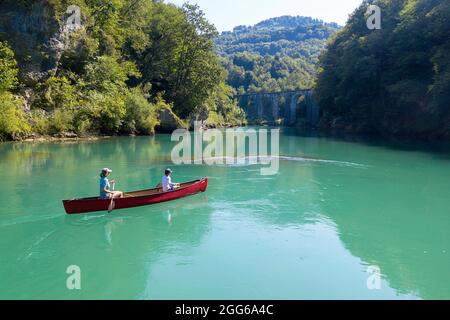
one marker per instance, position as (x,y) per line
(180,60)
(12,118)
(8,68)
(141,115)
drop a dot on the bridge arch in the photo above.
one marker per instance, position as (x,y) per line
(254,105)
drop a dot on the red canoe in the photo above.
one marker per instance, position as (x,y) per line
(135,199)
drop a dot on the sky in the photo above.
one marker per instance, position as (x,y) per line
(227,14)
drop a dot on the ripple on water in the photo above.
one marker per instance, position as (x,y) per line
(27,219)
(256,160)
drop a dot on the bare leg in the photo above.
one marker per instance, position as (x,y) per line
(117,194)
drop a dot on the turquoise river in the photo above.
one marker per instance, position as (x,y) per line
(338,212)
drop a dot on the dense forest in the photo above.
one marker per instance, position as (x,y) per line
(131,65)
(139,66)
(274,55)
(395,80)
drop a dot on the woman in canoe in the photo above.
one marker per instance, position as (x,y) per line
(105,188)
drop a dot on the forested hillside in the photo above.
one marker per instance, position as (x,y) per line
(276,54)
(130,61)
(390,81)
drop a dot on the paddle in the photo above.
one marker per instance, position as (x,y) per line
(112,204)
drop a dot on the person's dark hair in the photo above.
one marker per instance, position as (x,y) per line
(167,172)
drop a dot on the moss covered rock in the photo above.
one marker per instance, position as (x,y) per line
(169,121)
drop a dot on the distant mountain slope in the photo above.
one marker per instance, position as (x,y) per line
(276,54)
(287,35)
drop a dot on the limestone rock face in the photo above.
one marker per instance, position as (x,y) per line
(66,135)
(169,121)
(28,97)
(36,37)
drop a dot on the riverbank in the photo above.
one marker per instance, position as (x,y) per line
(341,135)
(73,137)
(62,137)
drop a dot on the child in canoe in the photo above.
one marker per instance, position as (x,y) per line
(167,184)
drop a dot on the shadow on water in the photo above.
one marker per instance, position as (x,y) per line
(439,148)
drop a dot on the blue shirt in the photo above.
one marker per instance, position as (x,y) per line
(104,184)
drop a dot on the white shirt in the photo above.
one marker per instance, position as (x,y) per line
(167,184)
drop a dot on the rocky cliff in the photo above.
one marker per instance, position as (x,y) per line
(36,37)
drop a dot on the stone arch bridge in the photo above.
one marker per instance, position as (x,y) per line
(283,105)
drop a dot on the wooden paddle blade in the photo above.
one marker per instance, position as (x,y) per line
(112,205)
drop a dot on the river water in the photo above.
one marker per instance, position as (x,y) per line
(337,213)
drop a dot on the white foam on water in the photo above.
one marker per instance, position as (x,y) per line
(344,163)
(256,160)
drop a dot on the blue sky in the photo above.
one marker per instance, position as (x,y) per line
(226,14)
